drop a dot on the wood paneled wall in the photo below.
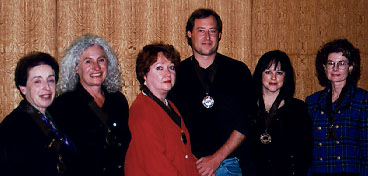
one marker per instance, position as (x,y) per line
(251,27)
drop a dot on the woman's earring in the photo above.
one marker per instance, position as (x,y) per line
(145,83)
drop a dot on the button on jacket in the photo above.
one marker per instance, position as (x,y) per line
(348,151)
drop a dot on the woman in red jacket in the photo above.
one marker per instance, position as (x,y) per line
(160,142)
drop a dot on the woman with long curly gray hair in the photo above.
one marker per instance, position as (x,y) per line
(91,109)
(70,60)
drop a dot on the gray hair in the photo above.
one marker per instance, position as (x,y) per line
(69,77)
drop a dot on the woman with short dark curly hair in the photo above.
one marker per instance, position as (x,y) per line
(348,51)
(30,142)
(339,113)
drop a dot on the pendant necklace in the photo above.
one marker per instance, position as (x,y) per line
(265,137)
(169,110)
(331,112)
(206,77)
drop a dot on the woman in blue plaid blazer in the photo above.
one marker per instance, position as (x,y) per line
(339,113)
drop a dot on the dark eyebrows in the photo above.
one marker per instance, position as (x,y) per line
(38,76)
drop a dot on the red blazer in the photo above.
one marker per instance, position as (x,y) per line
(156,147)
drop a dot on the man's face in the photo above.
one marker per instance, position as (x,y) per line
(205,36)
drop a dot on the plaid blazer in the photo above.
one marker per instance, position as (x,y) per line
(348,152)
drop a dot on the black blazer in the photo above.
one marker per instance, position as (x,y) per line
(73,115)
(24,146)
(290,150)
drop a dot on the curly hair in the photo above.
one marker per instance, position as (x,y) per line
(29,61)
(200,14)
(68,74)
(348,50)
(148,56)
(265,62)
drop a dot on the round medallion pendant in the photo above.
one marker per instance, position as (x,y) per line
(208,102)
(265,138)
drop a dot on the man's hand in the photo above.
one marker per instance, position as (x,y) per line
(207,165)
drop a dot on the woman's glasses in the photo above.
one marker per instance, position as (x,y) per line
(342,65)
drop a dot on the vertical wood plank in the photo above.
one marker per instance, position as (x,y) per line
(25,26)
(300,27)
